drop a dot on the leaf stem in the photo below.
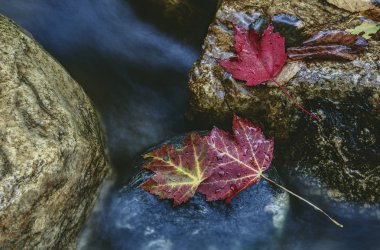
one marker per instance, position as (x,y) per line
(303,199)
(295,101)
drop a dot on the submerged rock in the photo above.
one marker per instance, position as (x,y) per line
(52,158)
(136,218)
(343,150)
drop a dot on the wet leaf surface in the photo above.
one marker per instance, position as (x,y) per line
(329,44)
(241,160)
(178,170)
(322,52)
(327,37)
(259,58)
(217,165)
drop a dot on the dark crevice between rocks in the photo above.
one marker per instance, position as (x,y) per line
(25,81)
(184,20)
(6,167)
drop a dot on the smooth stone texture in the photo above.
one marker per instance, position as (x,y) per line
(343,150)
(133,217)
(52,156)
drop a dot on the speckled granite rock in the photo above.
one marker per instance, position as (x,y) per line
(52,158)
(132,217)
(343,151)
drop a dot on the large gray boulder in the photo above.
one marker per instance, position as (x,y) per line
(343,150)
(52,157)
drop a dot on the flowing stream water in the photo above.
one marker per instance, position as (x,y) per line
(135,71)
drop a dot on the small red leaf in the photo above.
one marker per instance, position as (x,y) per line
(178,171)
(259,59)
(241,159)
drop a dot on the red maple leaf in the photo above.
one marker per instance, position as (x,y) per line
(178,171)
(259,59)
(241,160)
(218,165)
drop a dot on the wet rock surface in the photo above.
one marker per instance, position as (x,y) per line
(134,217)
(341,152)
(52,158)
